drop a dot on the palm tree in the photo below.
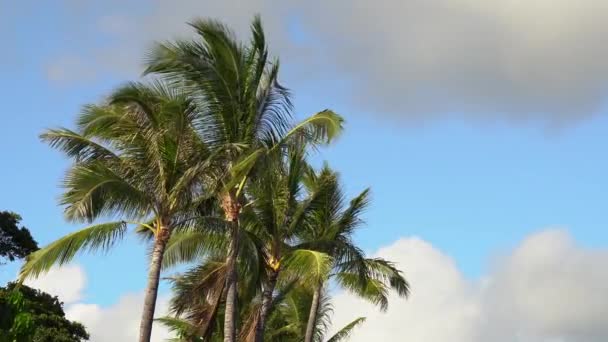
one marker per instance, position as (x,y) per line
(246,114)
(288,319)
(275,210)
(139,157)
(331,226)
(287,313)
(289,231)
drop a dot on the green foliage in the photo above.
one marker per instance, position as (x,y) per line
(300,227)
(308,265)
(28,314)
(207,163)
(15,242)
(346,331)
(96,237)
(138,156)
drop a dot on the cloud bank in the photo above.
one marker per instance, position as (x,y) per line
(118,322)
(546,290)
(535,60)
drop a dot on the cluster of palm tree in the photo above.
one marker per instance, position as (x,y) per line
(205,163)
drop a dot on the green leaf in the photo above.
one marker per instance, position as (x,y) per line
(308,265)
(97,237)
(321,128)
(94,189)
(345,332)
(76,145)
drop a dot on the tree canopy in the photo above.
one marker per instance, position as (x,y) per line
(28,314)
(15,242)
(205,161)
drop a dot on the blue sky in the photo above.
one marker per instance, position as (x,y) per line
(472,187)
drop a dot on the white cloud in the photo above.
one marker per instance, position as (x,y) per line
(118,322)
(547,290)
(441,297)
(66,282)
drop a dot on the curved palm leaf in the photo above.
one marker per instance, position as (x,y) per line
(346,331)
(77,146)
(94,189)
(97,237)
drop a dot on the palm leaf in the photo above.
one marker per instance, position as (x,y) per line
(321,128)
(373,290)
(386,272)
(97,237)
(345,332)
(93,189)
(308,265)
(77,146)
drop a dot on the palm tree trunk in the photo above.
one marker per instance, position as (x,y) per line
(312,316)
(231,212)
(231,286)
(266,304)
(147,318)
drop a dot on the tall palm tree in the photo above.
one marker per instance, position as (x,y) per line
(331,226)
(246,114)
(139,157)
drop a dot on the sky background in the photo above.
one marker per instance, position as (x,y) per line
(479,126)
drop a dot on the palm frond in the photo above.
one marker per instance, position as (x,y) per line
(373,290)
(77,146)
(386,272)
(93,189)
(308,265)
(191,244)
(185,331)
(100,237)
(344,333)
(321,128)
(351,217)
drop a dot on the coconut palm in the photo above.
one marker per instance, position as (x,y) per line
(287,313)
(288,319)
(246,114)
(289,231)
(276,206)
(331,226)
(139,157)
(200,293)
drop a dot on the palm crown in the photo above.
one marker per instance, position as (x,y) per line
(138,157)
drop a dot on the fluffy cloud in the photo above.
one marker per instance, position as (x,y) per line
(547,290)
(115,323)
(535,60)
(67,283)
(119,322)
